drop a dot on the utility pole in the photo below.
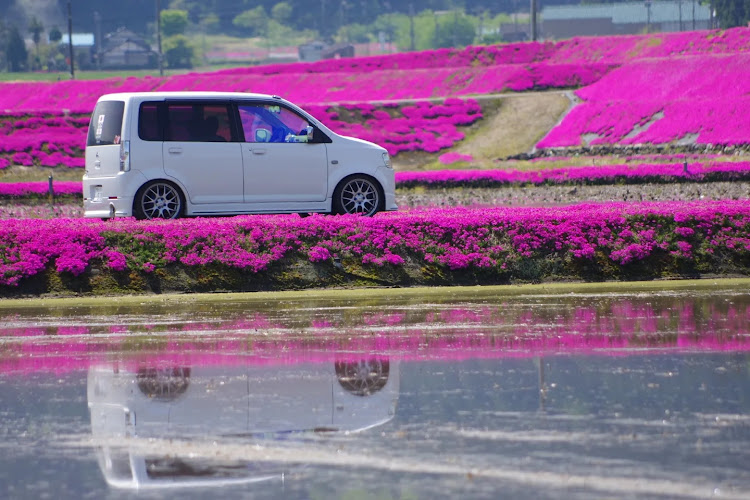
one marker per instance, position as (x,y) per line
(70,42)
(434,15)
(455,27)
(411,27)
(533,21)
(158,38)
(693,15)
(322,16)
(679,6)
(98,41)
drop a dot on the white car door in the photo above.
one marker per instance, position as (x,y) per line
(207,162)
(279,165)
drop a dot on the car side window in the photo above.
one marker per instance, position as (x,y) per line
(148,122)
(266,122)
(198,122)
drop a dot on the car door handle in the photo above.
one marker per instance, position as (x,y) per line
(258,151)
(175,151)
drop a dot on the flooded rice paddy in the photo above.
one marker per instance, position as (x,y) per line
(539,392)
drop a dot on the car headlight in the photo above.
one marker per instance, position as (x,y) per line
(387,160)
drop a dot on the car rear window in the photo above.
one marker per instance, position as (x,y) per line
(106,123)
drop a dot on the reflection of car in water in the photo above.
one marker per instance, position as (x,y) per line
(239,402)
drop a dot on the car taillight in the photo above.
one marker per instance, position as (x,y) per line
(125,156)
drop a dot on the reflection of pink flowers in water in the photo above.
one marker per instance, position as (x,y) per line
(615,328)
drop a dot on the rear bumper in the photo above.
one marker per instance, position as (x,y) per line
(106,197)
(107,209)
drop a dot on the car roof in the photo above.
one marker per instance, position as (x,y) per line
(193,94)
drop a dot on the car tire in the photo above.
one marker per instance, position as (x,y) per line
(358,194)
(158,200)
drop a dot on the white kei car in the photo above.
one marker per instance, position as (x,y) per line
(174,154)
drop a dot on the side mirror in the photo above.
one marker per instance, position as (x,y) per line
(262,135)
(309,130)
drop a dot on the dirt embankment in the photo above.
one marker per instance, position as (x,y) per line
(511,125)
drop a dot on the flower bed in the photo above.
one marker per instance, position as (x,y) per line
(39,189)
(384,85)
(52,140)
(43,139)
(683,100)
(686,87)
(312,88)
(630,173)
(608,49)
(420,126)
(440,246)
(438,73)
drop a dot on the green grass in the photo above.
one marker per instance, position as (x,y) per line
(43,76)
(451,292)
(18,173)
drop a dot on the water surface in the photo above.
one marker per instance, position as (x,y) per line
(471,393)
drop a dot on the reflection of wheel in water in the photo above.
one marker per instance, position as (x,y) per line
(364,377)
(163,384)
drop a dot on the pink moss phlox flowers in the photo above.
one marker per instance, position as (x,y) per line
(456,238)
(696,99)
(23,189)
(594,174)
(438,73)
(454,157)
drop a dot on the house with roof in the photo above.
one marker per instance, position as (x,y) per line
(317,50)
(83,48)
(566,21)
(123,49)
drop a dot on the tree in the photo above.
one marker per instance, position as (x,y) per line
(55,35)
(281,12)
(454,30)
(210,23)
(354,33)
(178,52)
(15,51)
(253,21)
(173,22)
(389,27)
(36,28)
(732,13)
